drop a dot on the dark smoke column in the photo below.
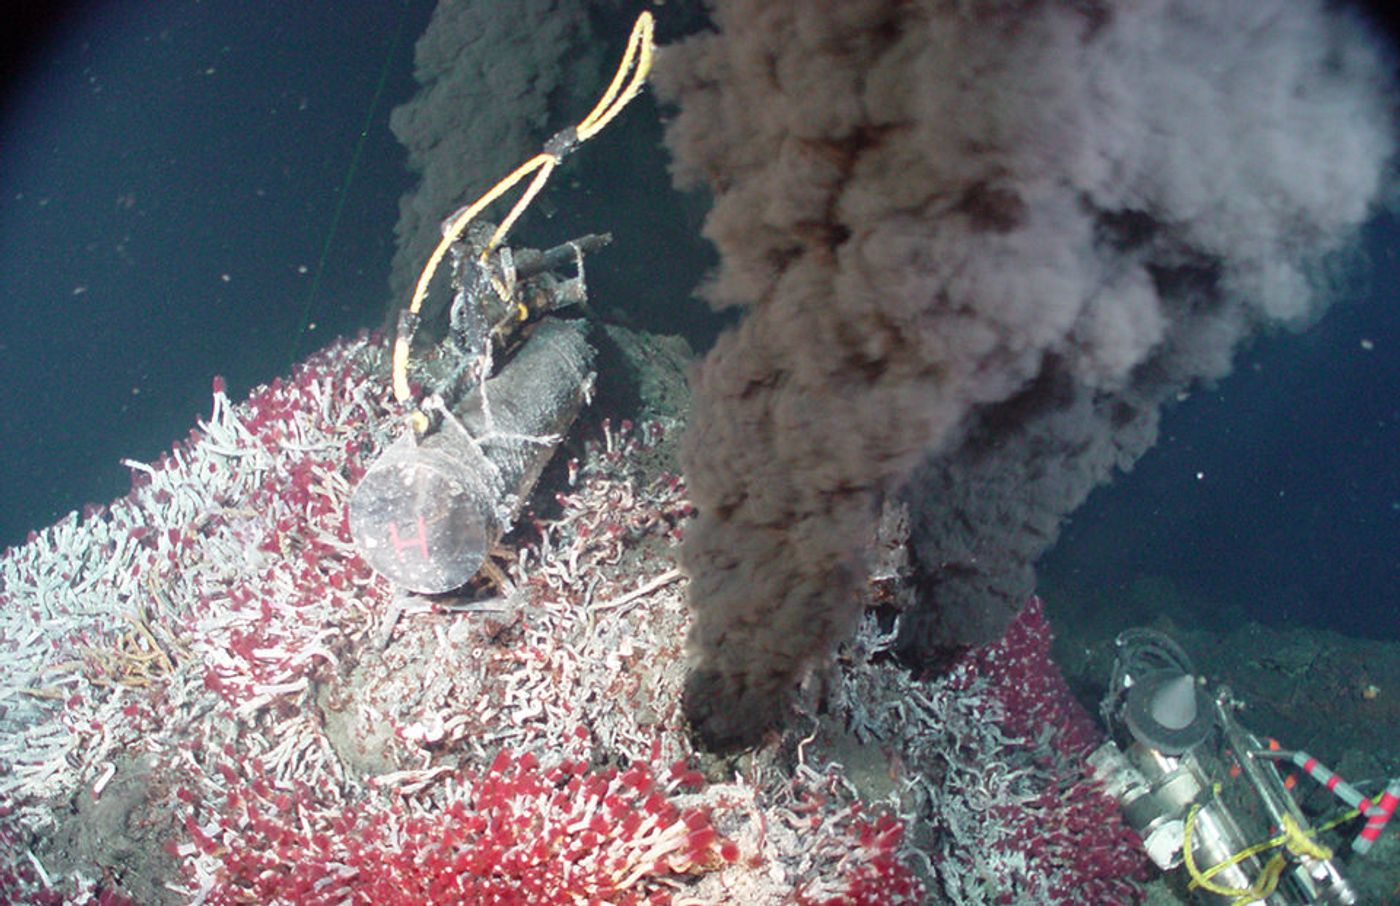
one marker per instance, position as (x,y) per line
(984,240)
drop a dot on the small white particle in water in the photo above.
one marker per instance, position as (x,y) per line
(1368,344)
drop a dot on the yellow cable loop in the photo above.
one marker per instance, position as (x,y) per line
(639,50)
(636,60)
(1293,838)
(1202,879)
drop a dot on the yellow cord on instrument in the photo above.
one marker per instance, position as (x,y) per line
(636,60)
(1293,839)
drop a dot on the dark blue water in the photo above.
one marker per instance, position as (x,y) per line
(1277,492)
(184,189)
(169,180)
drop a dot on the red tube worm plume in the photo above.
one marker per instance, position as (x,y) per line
(1071,835)
(516,834)
(875,873)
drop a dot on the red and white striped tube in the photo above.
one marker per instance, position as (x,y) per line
(1376,817)
(1323,775)
(1377,813)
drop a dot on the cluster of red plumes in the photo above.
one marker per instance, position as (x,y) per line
(516,834)
(1071,832)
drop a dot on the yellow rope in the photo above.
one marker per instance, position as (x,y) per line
(639,51)
(1294,839)
(636,60)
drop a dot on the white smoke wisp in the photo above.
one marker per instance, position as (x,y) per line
(990,237)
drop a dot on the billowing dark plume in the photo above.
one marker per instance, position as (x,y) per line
(979,244)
